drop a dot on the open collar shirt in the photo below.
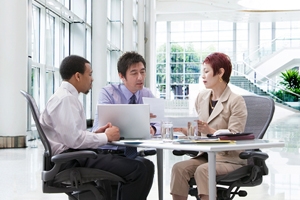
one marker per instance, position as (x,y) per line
(64,122)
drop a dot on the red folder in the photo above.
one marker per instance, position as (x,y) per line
(237,136)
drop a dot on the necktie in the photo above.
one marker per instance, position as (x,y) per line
(131,152)
(132,99)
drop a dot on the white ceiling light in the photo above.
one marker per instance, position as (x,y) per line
(270,4)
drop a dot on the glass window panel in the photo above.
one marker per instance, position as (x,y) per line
(295,43)
(210,25)
(240,26)
(177,57)
(177,26)
(192,36)
(177,78)
(241,46)
(135,9)
(79,8)
(89,11)
(209,46)
(282,25)
(176,68)
(50,40)
(242,35)
(160,47)
(225,35)
(225,26)
(210,36)
(160,68)
(192,57)
(177,47)
(193,46)
(265,25)
(88,43)
(161,58)
(192,78)
(192,68)
(162,90)
(36,33)
(225,46)
(49,84)
(295,33)
(135,35)
(161,27)
(295,25)
(279,44)
(161,38)
(282,33)
(35,84)
(192,26)
(160,78)
(88,106)
(177,37)
(266,34)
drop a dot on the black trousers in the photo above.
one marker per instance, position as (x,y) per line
(138,173)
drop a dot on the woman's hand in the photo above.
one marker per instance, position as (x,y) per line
(204,128)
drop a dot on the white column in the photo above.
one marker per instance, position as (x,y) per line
(150,55)
(13,65)
(253,40)
(141,27)
(253,43)
(99,49)
(128,25)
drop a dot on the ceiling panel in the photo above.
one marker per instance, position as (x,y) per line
(226,10)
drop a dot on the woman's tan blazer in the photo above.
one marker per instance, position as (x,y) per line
(229,113)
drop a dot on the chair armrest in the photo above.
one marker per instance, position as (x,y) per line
(254,154)
(60,159)
(184,152)
(66,157)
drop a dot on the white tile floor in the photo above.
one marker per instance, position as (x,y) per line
(21,168)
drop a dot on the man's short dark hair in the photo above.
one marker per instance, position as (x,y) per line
(128,59)
(71,65)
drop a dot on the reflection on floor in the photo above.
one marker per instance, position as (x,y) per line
(21,168)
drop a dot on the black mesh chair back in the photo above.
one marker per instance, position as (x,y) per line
(260,113)
(36,115)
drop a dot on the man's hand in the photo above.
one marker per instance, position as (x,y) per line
(103,128)
(112,133)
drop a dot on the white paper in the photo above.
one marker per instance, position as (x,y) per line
(221,131)
(157,107)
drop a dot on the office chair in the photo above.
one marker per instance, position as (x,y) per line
(260,113)
(77,182)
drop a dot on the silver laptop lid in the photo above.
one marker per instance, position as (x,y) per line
(133,120)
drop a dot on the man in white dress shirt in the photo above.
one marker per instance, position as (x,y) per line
(64,123)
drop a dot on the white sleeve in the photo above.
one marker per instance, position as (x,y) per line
(69,123)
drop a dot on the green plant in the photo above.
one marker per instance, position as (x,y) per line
(291,80)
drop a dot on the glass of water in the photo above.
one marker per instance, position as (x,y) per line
(167,131)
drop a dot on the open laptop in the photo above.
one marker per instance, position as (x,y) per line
(133,120)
